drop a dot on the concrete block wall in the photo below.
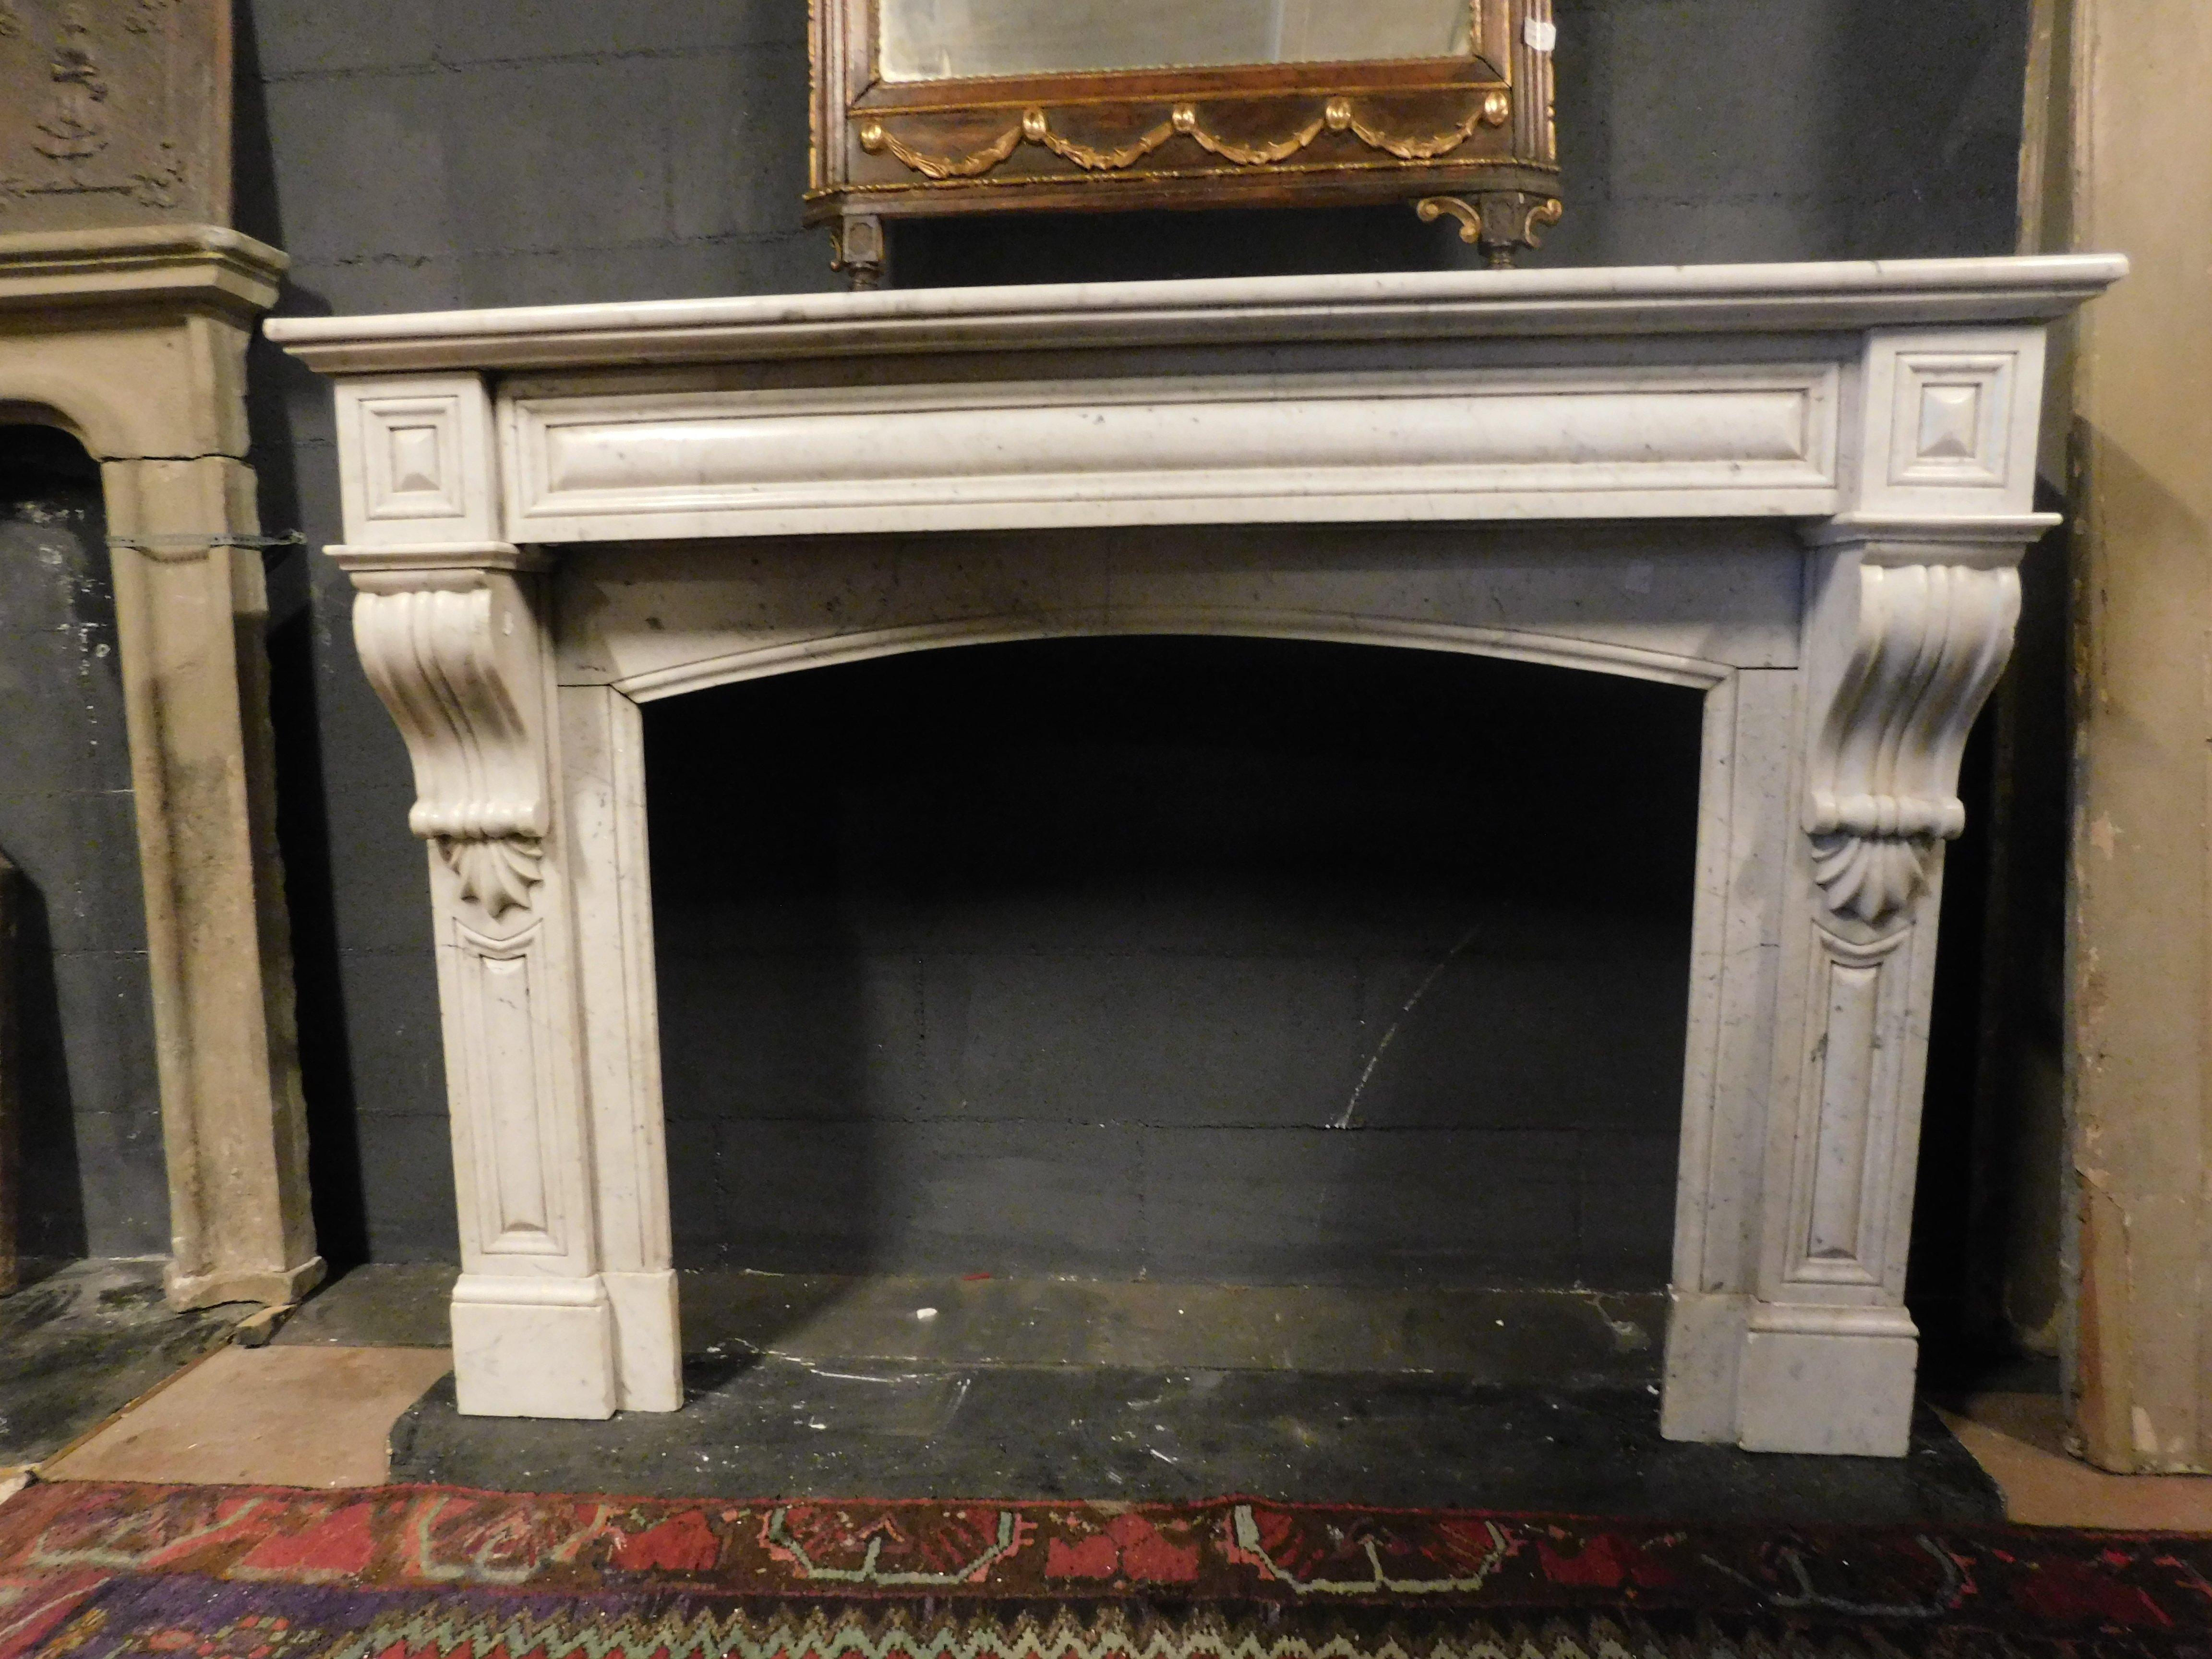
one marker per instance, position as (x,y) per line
(1697,131)
(420,154)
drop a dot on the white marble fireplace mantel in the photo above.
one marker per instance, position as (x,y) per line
(1804,489)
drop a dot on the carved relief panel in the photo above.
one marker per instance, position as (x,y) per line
(113,113)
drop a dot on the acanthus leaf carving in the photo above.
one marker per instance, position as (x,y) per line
(497,874)
(1499,221)
(1870,876)
(1928,639)
(456,663)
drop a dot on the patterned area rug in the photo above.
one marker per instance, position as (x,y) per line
(419,1572)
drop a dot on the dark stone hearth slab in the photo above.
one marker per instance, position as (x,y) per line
(758,1426)
(1573,1340)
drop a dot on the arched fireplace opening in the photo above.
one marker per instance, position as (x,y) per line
(1205,959)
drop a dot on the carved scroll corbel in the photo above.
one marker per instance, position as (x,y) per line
(454,655)
(1918,644)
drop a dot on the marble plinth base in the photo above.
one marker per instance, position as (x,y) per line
(571,1347)
(1849,1396)
(648,1345)
(533,1347)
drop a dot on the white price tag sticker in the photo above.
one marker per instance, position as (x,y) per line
(1540,37)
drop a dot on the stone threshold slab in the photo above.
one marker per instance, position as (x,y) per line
(1562,1338)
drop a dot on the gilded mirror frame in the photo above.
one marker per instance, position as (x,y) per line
(1469,138)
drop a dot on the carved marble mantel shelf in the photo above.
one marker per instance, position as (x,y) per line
(1815,483)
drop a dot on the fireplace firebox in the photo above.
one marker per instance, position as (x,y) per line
(1800,491)
(1194,960)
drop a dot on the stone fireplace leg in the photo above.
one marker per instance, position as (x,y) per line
(1906,631)
(1746,836)
(456,653)
(603,790)
(532,800)
(191,609)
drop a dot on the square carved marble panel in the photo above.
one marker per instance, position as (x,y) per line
(417,460)
(412,455)
(1950,425)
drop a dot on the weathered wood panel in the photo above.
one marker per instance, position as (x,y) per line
(2141,954)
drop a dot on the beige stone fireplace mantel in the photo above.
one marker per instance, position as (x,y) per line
(134,341)
(1805,490)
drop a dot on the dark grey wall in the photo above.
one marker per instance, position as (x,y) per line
(93,1180)
(417,153)
(1695,132)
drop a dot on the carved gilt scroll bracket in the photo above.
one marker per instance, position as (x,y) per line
(1500,222)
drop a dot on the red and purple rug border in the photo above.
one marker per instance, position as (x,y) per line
(427,1560)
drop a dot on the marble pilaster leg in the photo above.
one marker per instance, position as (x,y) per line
(456,654)
(603,768)
(1905,639)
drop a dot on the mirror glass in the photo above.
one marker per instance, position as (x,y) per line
(956,39)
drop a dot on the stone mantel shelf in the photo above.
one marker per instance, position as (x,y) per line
(1392,306)
(1803,490)
(178,265)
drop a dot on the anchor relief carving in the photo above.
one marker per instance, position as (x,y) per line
(110,119)
(74,124)
(1925,642)
(454,657)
